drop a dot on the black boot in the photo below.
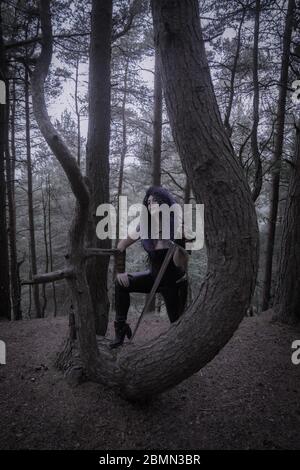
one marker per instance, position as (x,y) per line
(121,329)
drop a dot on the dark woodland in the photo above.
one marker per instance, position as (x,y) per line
(198,99)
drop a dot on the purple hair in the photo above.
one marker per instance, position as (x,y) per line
(162,196)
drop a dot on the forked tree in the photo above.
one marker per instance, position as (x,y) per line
(217,180)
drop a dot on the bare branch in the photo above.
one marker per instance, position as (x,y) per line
(50,277)
(101,252)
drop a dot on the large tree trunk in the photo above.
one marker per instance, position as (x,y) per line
(5,304)
(98,150)
(231,230)
(278,153)
(287,296)
(217,180)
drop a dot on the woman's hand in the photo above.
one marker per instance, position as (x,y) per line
(123,279)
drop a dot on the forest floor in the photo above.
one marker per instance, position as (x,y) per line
(248,397)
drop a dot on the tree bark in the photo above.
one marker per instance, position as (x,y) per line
(278,153)
(287,296)
(5,304)
(98,150)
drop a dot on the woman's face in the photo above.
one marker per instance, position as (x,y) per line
(152,205)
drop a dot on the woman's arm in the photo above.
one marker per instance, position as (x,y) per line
(126,242)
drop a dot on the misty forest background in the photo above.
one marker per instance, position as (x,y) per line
(253,58)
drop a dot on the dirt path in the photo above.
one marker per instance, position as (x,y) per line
(247,397)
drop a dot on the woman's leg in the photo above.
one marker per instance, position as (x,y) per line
(175,296)
(138,282)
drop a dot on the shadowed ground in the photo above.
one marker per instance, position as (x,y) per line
(247,397)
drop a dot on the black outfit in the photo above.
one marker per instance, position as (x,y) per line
(173,292)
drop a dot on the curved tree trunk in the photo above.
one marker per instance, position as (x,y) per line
(287,296)
(217,180)
(231,230)
(77,280)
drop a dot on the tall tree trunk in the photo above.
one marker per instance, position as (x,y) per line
(254,138)
(98,150)
(287,296)
(157,124)
(10,172)
(124,133)
(77,111)
(232,78)
(48,186)
(5,304)
(217,180)
(157,139)
(44,207)
(122,162)
(278,153)
(36,294)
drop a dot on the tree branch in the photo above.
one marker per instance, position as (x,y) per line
(50,277)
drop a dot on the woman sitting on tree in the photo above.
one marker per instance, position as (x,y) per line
(173,285)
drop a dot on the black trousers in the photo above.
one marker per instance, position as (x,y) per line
(174,294)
